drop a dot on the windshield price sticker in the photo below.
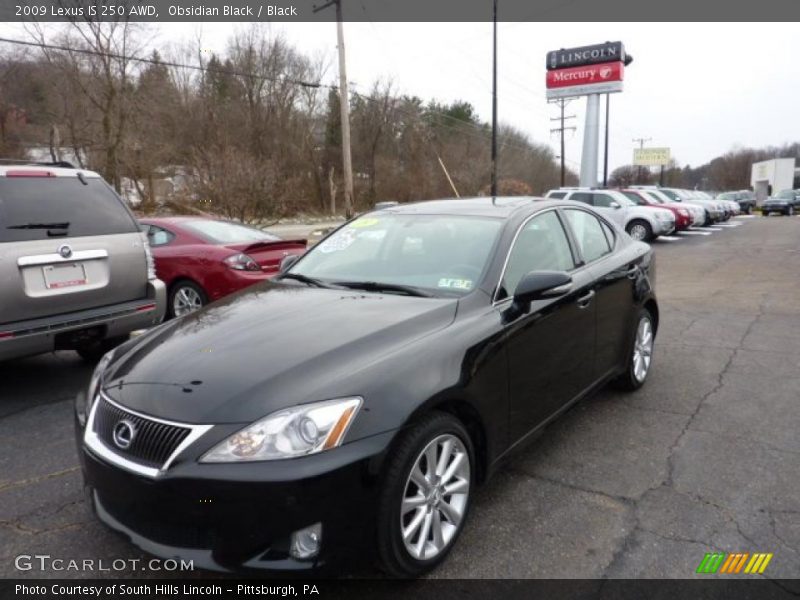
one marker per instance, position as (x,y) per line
(457,284)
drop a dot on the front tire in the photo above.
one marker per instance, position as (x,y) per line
(640,355)
(640,230)
(185,297)
(425,496)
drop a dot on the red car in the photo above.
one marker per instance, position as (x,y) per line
(202,259)
(683,217)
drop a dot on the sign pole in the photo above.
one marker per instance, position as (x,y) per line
(591,141)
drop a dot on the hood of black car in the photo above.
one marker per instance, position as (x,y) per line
(265,349)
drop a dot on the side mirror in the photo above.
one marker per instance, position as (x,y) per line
(288,261)
(537,285)
(613,204)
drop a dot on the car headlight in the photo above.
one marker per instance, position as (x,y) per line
(85,400)
(288,433)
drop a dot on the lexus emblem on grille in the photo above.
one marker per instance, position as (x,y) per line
(65,251)
(124,432)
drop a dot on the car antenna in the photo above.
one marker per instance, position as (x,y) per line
(82,178)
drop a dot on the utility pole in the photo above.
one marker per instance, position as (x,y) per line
(641,141)
(605,151)
(494,101)
(562,103)
(344,103)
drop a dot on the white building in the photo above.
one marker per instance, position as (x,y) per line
(771,176)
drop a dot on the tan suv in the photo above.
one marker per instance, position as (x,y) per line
(75,269)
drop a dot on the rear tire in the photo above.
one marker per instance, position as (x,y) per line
(640,230)
(427,507)
(640,355)
(185,297)
(94,352)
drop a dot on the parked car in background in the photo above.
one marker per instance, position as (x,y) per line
(745,200)
(202,259)
(75,268)
(640,222)
(699,213)
(683,216)
(349,410)
(785,202)
(714,210)
(728,208)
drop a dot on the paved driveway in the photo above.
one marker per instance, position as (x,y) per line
(705,458)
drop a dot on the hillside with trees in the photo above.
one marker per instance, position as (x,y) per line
(251,134)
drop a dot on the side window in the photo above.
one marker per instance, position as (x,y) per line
(603,200)
(557,195)
(157,236)
(541,245)
(584,197)
(588,231)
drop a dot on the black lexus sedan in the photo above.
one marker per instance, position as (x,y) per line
(349,409)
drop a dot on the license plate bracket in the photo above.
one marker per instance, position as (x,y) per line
(64,275)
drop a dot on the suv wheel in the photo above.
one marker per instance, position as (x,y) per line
(790,211)
(426,496)
(640,230)
(186,297)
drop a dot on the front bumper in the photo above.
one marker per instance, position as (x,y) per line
(664,227)
(236,517)
(37,336)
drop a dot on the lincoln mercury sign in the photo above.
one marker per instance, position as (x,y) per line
(651,157)
(586,55)
(603,78)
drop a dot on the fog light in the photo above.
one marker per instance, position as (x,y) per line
(306,542)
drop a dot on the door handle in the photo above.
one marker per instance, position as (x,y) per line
(586,299)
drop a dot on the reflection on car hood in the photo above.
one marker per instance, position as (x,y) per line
(264,349)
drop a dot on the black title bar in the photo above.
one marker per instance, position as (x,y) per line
(399,10)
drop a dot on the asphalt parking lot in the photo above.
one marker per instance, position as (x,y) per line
(704,458)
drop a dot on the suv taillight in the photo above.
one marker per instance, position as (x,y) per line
(242,262)
(151,264)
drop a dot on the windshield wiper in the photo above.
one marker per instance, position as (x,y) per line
(304,279)
(64,225)
(376,286)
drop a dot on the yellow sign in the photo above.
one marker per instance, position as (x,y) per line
(650,157)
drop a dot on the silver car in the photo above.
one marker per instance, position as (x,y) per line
(641,223)
(76,269)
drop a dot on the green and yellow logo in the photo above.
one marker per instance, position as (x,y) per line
(721,562)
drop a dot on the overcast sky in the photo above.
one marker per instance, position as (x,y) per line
(700,89)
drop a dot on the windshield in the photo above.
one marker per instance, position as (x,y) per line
(225,232)
(671,195)
(635,198)
(655,197)
(727,196)
(786,195)
(444,254)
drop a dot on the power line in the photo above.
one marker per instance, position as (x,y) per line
(151,61)
(562,103)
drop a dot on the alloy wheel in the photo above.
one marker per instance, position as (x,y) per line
(185,301)
(638,232)
(643,349)
(435,497)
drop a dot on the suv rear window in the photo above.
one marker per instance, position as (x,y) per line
(41,208)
